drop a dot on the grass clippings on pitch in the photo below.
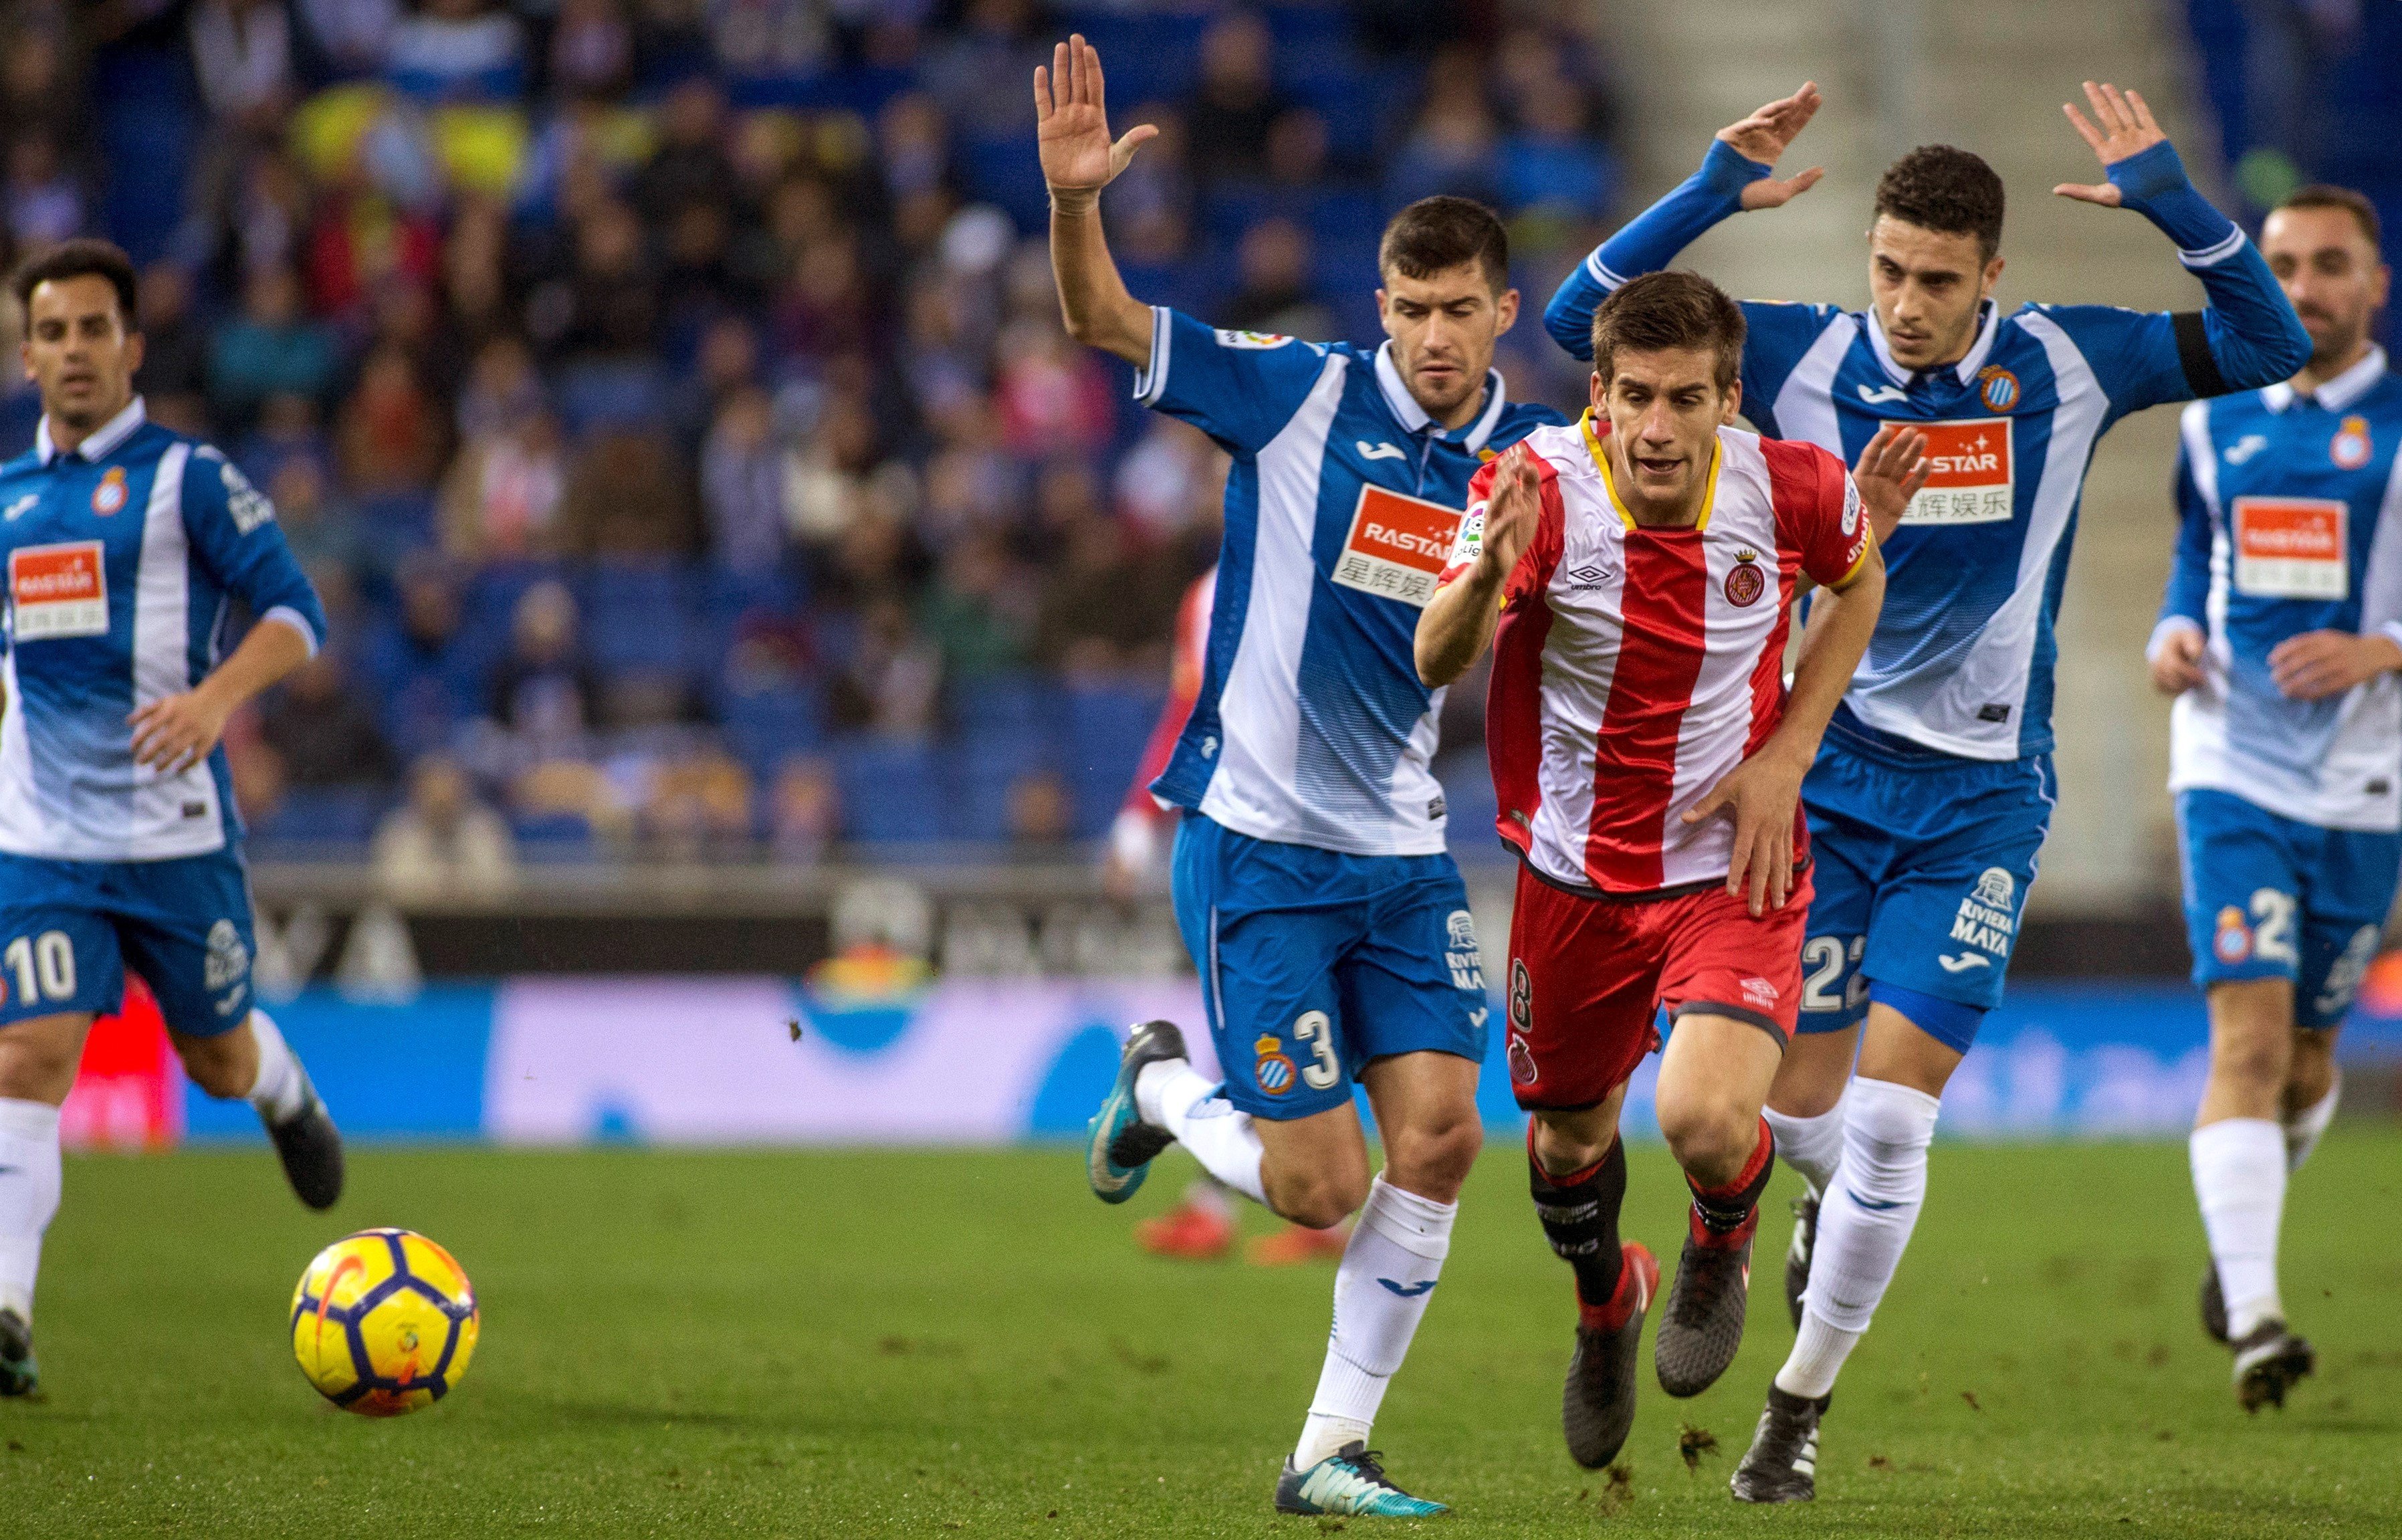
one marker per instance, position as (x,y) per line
(864,1343)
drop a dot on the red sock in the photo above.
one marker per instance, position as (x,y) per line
(1724,1217)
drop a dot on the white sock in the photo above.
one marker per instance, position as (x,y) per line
(1811,1146)
(280,1090)
(29,1196)
(1172,1095)
(1380,1291)
(2239,1175)
(2302,1130)
(1864,1223)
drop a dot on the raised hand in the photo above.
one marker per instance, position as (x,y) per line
(1072,126)
(1765,136)
(2121,126)
(1511,512)
(1892,469)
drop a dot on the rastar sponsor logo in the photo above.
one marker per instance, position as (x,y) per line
(1969,475)
(59,590)
(1396,545)
(2291,547)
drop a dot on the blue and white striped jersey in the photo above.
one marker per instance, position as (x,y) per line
(1312,725)
(1961,659)
(121,558)
(2290,521)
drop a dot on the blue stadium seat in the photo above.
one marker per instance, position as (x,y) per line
(892,791)
(324,818)
(638,617)
(1106,727)
(984,765)
(618,393)
(764,728)
(1006,701)
(552,836)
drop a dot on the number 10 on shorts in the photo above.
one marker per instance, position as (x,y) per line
(42,967)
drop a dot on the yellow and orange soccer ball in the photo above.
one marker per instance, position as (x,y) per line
(384,1322)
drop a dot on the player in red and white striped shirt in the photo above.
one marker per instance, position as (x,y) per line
(1639,567)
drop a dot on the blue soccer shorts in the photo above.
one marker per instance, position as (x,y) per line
(70,930)
(1921,871)
(1313,964)
(2269,897)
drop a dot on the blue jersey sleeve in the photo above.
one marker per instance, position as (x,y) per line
(1240,388)
(1650,242)
(2188,589)
(2247,337)
(1775,336)
(234,537)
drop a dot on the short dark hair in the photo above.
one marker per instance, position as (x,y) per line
(82,257)
(1435,235)
(1669,310)
(1938,187)
(2325,195)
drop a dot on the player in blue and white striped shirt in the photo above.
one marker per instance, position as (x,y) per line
(1932,790)
(119,847)
(1329,925)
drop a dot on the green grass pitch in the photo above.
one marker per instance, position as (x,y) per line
(864,1343)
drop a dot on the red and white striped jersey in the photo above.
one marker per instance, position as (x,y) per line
(1634,667)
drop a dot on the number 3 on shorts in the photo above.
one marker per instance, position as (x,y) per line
(44,966)
(1317,1029)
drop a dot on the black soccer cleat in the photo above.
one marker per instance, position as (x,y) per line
(2268,1361)
(20,1375)
(1597,1409)
(1119,1147)
(311,1147)
(1797,1256)
(1782,1464)
(1702,1325)
(2213,1305)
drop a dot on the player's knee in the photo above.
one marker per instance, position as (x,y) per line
(2310,1074)
(2256,1061)
(1433,1161)
(217,1066)
(1706,1130)
(1320,1200)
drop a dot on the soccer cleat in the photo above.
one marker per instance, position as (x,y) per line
(2213,1305)
(1348,1481)
(1597,1409)
(1188,1232)
(1702,1325)
(1797,1254)
(2268,1361)
(1782,1464)
(1119,1147)
(311,1147)
(1296,1246)
(20,1375)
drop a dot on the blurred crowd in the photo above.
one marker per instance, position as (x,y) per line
(669,396)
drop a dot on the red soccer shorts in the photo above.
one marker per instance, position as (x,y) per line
(1588,975)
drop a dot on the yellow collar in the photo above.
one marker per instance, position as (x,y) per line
(1601,463)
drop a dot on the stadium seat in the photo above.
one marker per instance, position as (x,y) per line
(638,617)
(611,394)
(767,726)
(892,791)
(1106,727)
(324,819)
(552,836)
(985,764)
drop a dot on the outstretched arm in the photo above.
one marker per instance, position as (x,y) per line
(1734,176)
(1079,159)
(2248,336)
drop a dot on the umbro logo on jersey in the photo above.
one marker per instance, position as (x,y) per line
(2244,449)
(1380,451)
(1963,962)
(1877,395)
(18,509)
(1589,575)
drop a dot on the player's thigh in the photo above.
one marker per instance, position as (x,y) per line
(1948,910)
(2347,890)
(1428,1120)
(1582,991)
(2243,877)
(1724,968)
(186,928)
(59,951)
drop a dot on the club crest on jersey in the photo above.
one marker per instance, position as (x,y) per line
(1522,1060)
(1998,387)
(109,496)
(2232,940)
(2351,448)
(1275,1072)
(1251,339)
(1745,583)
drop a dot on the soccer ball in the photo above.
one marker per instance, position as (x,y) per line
(384,1322)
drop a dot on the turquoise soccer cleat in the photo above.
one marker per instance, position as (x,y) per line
(1119,1147)
(1350,1482)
